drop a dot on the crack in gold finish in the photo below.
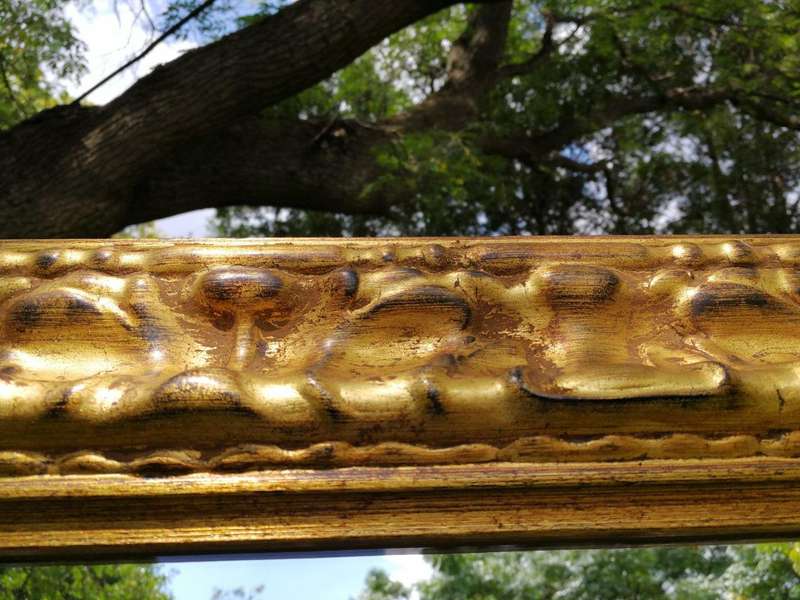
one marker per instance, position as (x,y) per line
(180,356)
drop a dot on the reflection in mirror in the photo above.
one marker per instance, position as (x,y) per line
(755,572)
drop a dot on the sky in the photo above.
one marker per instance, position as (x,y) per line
(112,37)
(306,578)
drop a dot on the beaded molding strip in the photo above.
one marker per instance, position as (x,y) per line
(536,450)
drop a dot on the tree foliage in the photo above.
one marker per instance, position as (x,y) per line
(503,117)
(38,51)
(606,116)
(379,586)
(99,582)
(764,572)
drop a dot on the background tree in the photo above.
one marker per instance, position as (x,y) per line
(433,117)
(35,36)
(379,586)
(767,572)
(100,582)
(239,593)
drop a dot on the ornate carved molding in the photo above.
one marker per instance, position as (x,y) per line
(157,361)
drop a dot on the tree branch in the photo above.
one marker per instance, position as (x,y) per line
(476,54)
(766,113)
(540,146)
(472,70)
(545,49)
(289,163)
(176,27)
(187,136)
(72,171)
(559,160)
(11,94)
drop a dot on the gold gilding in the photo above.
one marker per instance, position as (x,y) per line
(336,353)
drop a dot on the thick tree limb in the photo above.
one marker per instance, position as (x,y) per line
(322,165)
(327,165)
(74,171)
(293,164)
(472,70)
(188,136)
(476,54)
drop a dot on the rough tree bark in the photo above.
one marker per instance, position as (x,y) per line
(79,171)
(189,135)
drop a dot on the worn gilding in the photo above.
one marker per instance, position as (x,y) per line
(174,396)
(119,356)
